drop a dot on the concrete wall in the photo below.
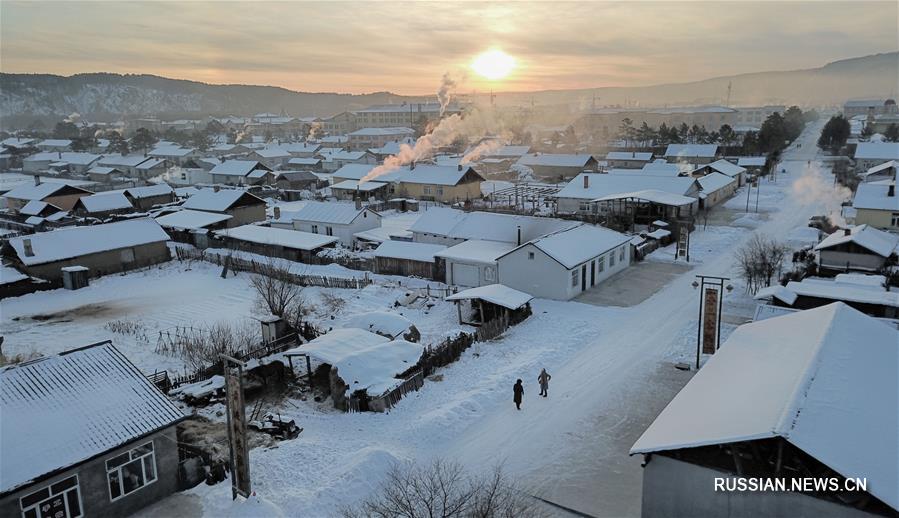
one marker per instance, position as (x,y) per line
(545,277)
(94,487)
(365,221)
(104,263)
(672,488)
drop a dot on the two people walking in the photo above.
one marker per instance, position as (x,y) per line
(518,388)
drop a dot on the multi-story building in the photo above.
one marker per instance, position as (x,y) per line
(869,107)
(607,121)
(755,115)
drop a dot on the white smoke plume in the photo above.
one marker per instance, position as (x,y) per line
(484,148)
(815,186)
(314,130)
(445,93)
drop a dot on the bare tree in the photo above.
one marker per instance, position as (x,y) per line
(443,490)
(275,290)
(760,261)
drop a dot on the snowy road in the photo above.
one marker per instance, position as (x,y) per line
(551,441)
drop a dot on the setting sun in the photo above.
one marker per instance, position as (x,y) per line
(493,64)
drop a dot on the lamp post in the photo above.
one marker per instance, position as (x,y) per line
(716,282)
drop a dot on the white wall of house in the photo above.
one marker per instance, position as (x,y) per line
(542,276)
(365,221)
(434,239)
(470,274)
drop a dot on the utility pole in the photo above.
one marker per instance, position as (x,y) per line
(729,85)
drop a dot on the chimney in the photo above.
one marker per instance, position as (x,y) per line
(891,190)
(216,188)
(412,165)
(59,154)
(37,179)
(277,212)
(459,167)
(358,203)
(586,181)
(519,235)
(26,244)
(847,232)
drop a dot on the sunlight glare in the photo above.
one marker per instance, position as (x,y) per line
(493,64)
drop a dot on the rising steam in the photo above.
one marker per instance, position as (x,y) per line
(814,186)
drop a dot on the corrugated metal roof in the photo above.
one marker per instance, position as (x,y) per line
(61,410)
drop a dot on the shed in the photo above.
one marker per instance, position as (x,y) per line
(292,245)
(408,259)
(493,301)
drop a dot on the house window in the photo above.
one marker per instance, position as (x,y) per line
(490,273)
(131,471)
(612,259)
(59,500)
(621,254)
(575,278)
(315,229)
(439,190)
(531,256)
(584,206)
(426,189)
(894,221)
(601,264)
(329,231)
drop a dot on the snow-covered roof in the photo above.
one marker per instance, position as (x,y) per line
(122,160)
(629,155)
(438,221)
(508,152)
(890,165)
(354,185)
(824,379)
(864,289)
(381,322)
(41,191)
(102,170)
(877,151)
(392,148)
(16,142)
(652,195)
(169,150)
(104,202)
(875,196)
(216,201)
(573,246)
(272,152)
(487,226)
(380,132)
(333,213)
(751,161)
(691,150)
(75,158)
(61,410)
(150,163)
(301,147)
(236,167)
(873,239)
(353,171)
(498,294)
(661,167)
(183,192)
(312,162)
(149,191)
(191,219)
(777,291)
(714,181)
(477,251)
(340,154)
(437,175)
(278,236)
(54,142)
(364,360)
(600,185)
(9,275)
(70,242)
(423,252)
(725,167)
(554,160)
(35,207)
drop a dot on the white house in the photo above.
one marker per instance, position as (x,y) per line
(878,173)
(340,220)
(473,263)
(563,264)
(876,204)
(628,159)
(724,167)
(236,171)
(55,145)
(716,188)
(862,248)
(76,162)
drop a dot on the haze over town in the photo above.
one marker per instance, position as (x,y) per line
(455,259)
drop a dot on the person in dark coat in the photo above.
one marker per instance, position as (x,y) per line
(543,380)
(518,390)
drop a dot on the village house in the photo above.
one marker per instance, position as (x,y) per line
(333,161)
(628,159)
(754,165)
(391,148)
(301,149)
(857,249)
(444,226)
(367,138)
(273,158)
(85,434)
(866,293)
(236,171)
(104,174)
(563,264)
(867,107)
(359,171)
(151,167)
(192,226)
(870,154)
(243,207)
(340,220)
(447,184)
(17,143)
(292,245)
(724,167)
(549,165)
(808,394)
(103,249)
(229,150)
(883,172)
(716,188)
(876,204)
(174,154)
(409,259)
(579,194)
(39,209)
(353,190)
(298,181)
(692,153)
(59,195)
(146,197)
(125,163)
(305,163)
(55,145)
(77,163)
(102,205)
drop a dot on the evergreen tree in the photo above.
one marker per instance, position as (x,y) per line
(892,133)
(834,134)
(143,139)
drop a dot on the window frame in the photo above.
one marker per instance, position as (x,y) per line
(601,264)
(50,495)
(894,219)
(315,229)
(118,470)
(575,277)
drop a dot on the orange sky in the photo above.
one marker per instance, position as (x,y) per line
(406,47)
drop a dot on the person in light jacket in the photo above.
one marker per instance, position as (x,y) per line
(543,379)
(518,391)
